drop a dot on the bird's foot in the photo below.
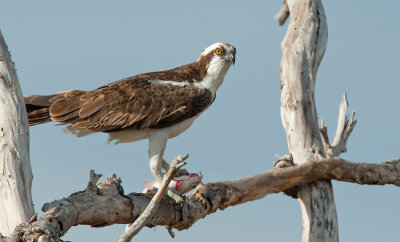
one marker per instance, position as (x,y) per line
(178,185)
(178,198)
(171,194)
(177,164)
(181,172)
(175,180)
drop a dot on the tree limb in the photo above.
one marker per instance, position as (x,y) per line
(108,205)
(303,48)
(344,128)
(16,204)
(283,13)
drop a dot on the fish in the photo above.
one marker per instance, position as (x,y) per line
(181,184)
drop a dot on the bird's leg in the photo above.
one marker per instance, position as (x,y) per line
(157,144)
(181,172)
(156,168)
(165,165)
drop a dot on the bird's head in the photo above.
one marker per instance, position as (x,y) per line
(215,60)
(219,52)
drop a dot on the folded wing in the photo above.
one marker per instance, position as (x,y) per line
(127,104)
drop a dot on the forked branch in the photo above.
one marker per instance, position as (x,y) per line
(344,128)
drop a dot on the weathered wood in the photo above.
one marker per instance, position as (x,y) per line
(302,50)
(343,131)
(15,170)
(283,13)
(105,204)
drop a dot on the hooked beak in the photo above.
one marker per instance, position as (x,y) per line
(232,56)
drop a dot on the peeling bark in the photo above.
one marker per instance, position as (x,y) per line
(105,204)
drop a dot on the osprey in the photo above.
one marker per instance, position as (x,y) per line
(155,106)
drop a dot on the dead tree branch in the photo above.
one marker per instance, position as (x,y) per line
(344,128)
(303,48)
(283,13)
(107,205)
(16,204)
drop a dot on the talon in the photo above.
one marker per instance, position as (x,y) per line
(181,172)
(180,184)
(174,196)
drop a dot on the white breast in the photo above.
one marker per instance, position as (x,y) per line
(178,128)
(215,75)
(126,136)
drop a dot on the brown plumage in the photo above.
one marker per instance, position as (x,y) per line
(131,103)
(155,106)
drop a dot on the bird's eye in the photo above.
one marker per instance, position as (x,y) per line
(218,51)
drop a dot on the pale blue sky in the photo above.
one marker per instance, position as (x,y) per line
(62,45)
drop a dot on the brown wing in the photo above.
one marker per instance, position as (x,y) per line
(129,104)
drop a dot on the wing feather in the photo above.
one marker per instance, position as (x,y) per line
(175,115)
(92,105)
(64,106)
(130,104)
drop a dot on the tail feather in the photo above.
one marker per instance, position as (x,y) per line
(37,107)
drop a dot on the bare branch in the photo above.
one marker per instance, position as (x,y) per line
(16,204)
(150,210)
(324,132)
(303,48)
(344,128)
(93,179)
(110,206)
(283,13)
